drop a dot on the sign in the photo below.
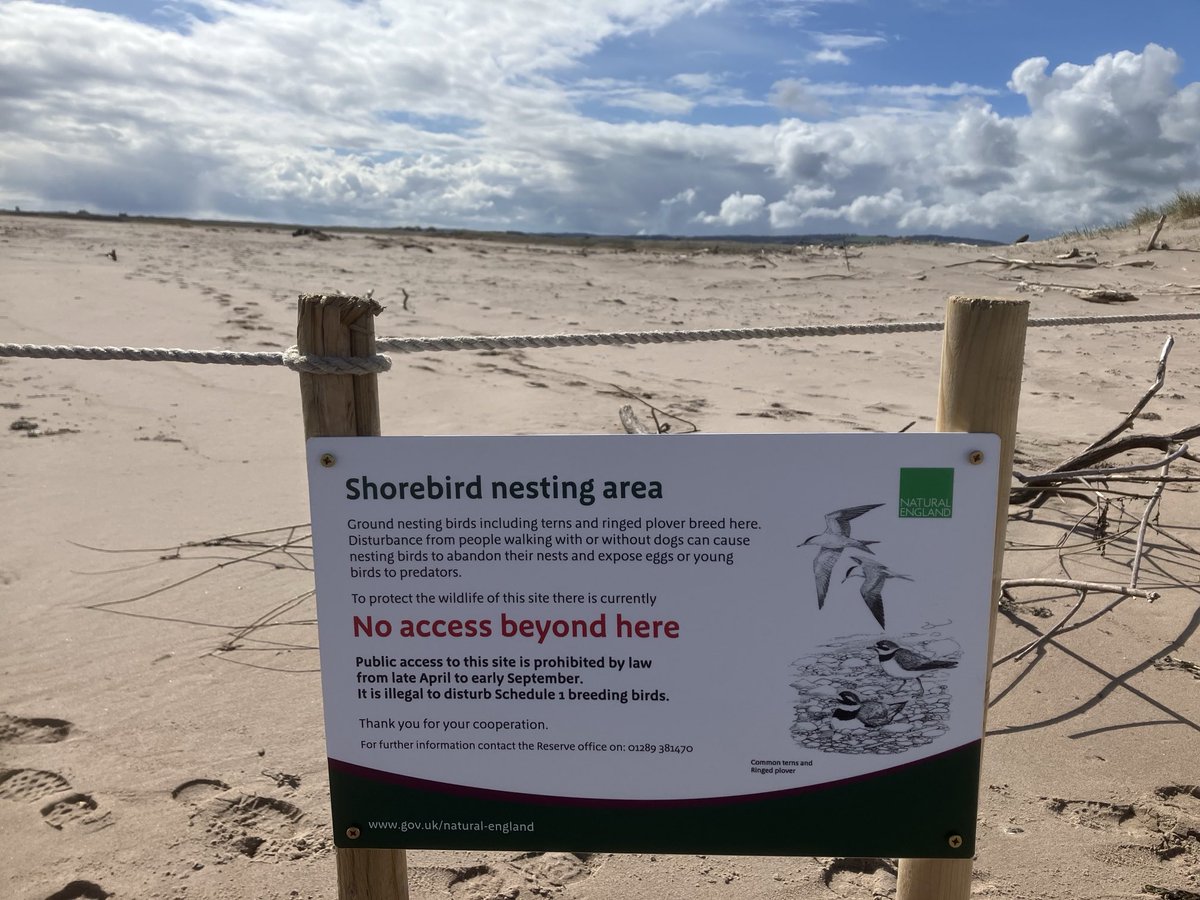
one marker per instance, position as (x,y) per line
(766,644)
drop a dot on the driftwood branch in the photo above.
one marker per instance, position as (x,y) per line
(1017,263)
(1100,587)
(1089,458)
(1085,464)
(1136,568)
(1154,237)
(1160,378)
(1059,475)
(1055,629)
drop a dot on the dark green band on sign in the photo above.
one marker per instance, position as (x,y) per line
(910,811)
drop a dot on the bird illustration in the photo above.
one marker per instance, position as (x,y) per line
(900,662)
(854,712)
(873,574)
(832,541)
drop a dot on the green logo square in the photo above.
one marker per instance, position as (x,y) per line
(926,493)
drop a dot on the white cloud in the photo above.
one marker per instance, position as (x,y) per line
(736,209)
(479,114)
(801,202)
(827,55)
(833,47)
(631,95)
(687,197)
(843,41)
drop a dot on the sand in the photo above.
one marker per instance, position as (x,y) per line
(152,748)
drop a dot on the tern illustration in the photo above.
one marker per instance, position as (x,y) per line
(832,541)
(873,574)
(900,662)
(854,712)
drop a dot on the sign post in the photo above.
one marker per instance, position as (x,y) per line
(337,325)
(983,351)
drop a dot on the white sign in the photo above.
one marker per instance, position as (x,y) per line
(648,619)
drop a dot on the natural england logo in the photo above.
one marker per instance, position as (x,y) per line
(926,493)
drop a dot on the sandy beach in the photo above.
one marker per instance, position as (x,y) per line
(161,727)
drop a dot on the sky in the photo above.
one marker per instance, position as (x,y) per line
(977,118)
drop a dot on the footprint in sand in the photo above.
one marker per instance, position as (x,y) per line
(253,825)
(1164,825)
(859,876)
(30,785)
(70,810)
(16,730)
(527,875)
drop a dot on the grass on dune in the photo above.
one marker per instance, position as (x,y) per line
(1184,205)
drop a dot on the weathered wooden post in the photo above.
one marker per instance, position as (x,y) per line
(347,406)
(983,350)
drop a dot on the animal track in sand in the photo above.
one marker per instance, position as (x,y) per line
(18,730)
(528,875)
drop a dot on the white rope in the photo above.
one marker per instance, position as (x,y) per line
(332,365)
(322,365)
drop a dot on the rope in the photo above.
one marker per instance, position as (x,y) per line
(424,345)
(333,365)
(322,365)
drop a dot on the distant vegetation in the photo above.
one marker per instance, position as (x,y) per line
(1184,205)
(726,243)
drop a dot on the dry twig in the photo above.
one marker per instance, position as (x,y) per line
(1160,378)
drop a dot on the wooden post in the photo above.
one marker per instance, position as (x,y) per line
(983,350)
(347,406)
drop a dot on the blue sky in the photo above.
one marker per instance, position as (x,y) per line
(981,118)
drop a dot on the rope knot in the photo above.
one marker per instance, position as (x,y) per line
(335,365)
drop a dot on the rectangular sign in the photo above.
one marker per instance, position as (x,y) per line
(766,643)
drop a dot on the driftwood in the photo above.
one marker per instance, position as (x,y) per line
(1104,295)
(1087,262)
(1082,466)
(1160,378)
(314,233)
(1089,459)
(1154,237)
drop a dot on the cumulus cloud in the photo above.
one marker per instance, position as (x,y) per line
(736,209)
(800,203)
(476,114)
